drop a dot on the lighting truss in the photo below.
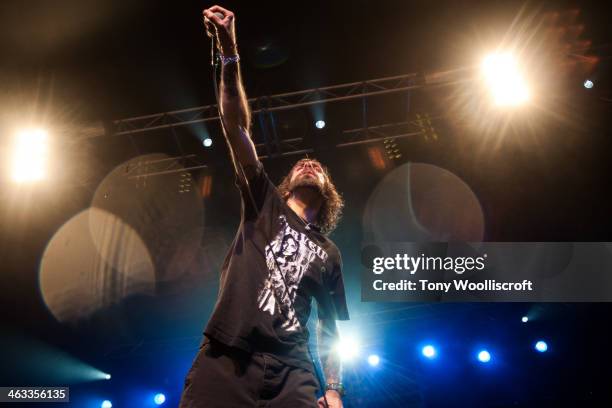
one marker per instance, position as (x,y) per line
(263,106)
(272,103)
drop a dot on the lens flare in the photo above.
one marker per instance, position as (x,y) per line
(373,360)
(30,155)
(347,348)
(504,79)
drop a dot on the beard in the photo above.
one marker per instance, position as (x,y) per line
(308,182)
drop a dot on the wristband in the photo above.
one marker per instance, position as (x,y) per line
(338,387)
(232,59)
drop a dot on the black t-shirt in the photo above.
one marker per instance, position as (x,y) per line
(274,268)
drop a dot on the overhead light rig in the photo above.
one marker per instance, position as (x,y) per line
(263,108)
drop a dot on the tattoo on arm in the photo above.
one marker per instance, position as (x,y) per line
(233,96)
(236,116)
(230,79)
(327,335)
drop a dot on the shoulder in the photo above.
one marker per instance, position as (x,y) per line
(333,250)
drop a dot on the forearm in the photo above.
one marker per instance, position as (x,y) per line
(234,105)
(327,336)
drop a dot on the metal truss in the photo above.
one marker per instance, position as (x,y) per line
(360,136)
(263,107)
(166,165)
(265,104)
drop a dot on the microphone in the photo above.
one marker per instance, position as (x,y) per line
(211,32)
(210,29)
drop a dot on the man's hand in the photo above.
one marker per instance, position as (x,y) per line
(333,399)
(223,27)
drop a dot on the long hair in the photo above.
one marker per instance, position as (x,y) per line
(331,209)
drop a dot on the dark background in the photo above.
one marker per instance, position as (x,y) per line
(539,175)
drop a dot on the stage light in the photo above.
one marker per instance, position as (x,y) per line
(159,398)
(320,124)
(504,79)
(541,346)
(347,348)
(106,404)
(207,142)
(484,356)
(429,351)
(29,155)
(588,84)
(525,319)
(373,360)
(107,376)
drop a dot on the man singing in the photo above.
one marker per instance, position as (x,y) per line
(255,352)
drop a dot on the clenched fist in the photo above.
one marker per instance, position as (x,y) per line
(333,399)
(220,22)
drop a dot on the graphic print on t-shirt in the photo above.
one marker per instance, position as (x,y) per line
(294,252)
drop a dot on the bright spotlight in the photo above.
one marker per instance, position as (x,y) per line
(588,84)
(29,155)
(504,79)
(484,356)
(373,360)
(347,348)
(541,346)
(525,319)
(320,124)
(159,398)
(107,376)
(106,404)
(429,351)
(207,142)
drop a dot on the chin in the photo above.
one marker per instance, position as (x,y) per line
(308,183)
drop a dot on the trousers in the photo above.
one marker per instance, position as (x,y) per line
(223,377)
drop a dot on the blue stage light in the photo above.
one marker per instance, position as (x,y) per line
(347,348)
(320,124)
(106,404)
(588,84)
(159,398)
(374,360)
(525,319)
(429,351)
(541,346)
(484,356)
(207,142)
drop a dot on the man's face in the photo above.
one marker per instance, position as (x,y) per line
(308,173)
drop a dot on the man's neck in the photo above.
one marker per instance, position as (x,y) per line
(306,203)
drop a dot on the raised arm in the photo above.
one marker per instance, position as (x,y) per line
(327,337)
(234,105)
